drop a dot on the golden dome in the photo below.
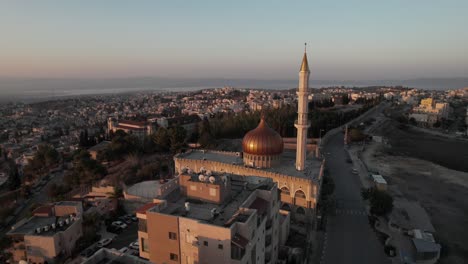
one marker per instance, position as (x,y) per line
(262,141)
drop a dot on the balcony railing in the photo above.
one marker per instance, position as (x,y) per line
(296,122)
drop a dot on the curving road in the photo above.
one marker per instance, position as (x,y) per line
(349,237)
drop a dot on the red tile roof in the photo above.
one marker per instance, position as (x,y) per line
(131,122)
(130,127)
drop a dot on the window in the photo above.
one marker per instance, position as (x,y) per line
(220,246)
(174,257)
(172,236)
(205,243)
(144,245)
(212,192)
(193,187)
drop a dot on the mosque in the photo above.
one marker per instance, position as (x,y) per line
(298,175)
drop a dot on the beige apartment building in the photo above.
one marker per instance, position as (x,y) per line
(429,112)
(214,218)
(49,235)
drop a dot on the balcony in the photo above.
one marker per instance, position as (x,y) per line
(237,253)
(268,241)
(296,122)
(269,224)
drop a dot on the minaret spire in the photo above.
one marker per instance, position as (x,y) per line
(305,63)
(302,123)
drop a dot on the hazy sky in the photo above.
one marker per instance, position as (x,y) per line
(347,40)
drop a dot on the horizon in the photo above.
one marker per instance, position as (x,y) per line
(241,40)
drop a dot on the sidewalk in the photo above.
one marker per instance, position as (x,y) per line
(359,165)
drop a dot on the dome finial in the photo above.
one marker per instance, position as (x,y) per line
(305,47)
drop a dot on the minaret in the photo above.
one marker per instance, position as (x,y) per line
(302,124)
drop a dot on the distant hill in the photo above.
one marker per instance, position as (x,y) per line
(40,88)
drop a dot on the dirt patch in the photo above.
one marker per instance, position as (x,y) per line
(406,141)
(442,192)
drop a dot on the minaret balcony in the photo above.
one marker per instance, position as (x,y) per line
(302,123)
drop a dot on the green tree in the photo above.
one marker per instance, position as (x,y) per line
(44,158)
(122,144)
(381,202)
(14,181)
(177,137)
(161,138)
(85,169)
(328,186)
(356,134)
(206,138)
(117,194)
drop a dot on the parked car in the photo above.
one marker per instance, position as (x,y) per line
(133,252)
(134,245)
(354,171)
(125,219)
(88,252)
(124,250)
(104,242)
(119,224)
(114,229)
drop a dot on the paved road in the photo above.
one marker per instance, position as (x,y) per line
(129,235)
(349,237)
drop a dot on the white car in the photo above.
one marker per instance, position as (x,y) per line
(119,224)
(134,245)
(104,242)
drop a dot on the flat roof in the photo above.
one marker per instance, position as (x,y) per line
(146,189)
(100,146)
(29,227)
(68,203)
(227,212)
(287,165)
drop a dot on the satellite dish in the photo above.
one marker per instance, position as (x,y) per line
(201,177)
(212,179)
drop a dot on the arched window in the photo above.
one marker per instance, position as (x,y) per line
(300,211)
(284,190)
(299,194)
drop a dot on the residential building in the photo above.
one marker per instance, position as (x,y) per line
(214,218)
(49,236)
